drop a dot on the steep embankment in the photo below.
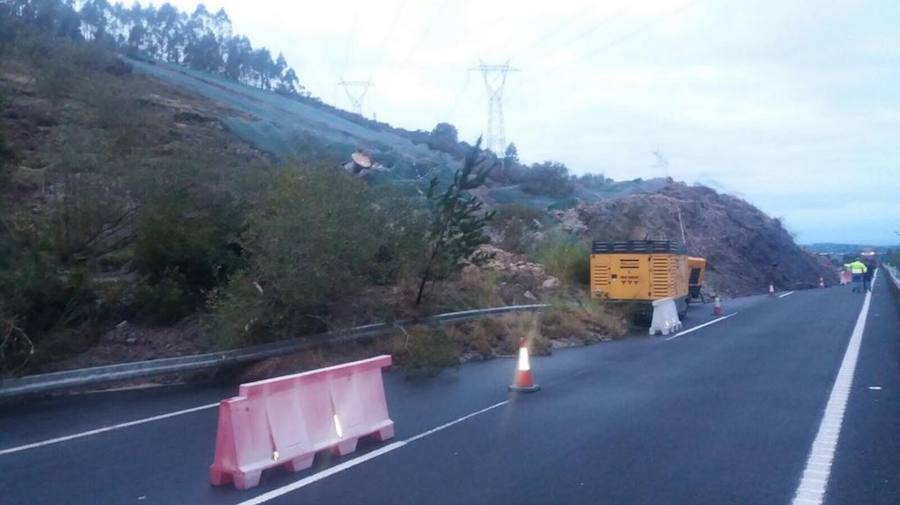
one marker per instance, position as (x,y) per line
(745,249)
(281,125)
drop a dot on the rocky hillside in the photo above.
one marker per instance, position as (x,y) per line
(745,249)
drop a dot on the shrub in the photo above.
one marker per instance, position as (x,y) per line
(7,159)
(200,246)
(564,257)
(16,349)
(166,300)
(492,336)
(39,299)
(237,313)
(312,238)
(548,178)
(428,350)
(187,234)
(82,215)
(400,215)
(90,202)
(315,236)
(513,221)
(457,220)
(479,288)
(585,322)
(510,211)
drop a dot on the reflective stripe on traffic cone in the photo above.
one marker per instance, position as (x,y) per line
(717,308)
(524,382)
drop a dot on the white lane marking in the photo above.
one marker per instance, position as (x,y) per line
(695,328)
(105,429)
(782,295)
(457,421)
(875,388)
(814,483)
(275,493)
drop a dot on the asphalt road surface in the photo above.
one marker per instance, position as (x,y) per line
(723,414)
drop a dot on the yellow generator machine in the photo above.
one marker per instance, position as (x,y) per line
(644,271)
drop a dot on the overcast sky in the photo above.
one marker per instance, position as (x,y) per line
(793,105)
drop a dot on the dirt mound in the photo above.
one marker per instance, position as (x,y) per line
(746,250)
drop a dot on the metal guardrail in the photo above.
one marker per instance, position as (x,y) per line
(894,276)
(58,381)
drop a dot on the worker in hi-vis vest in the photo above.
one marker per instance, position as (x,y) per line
(858,269)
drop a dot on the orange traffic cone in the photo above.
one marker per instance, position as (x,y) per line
(821,282)
(524,382)
(717,308)
(771,290)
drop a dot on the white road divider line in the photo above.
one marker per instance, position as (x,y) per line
(281,491)
(782,295)
(105,429)
(695,328)
(814,483)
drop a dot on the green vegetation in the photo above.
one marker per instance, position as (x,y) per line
(564,256)
(122,202)
(7,158)
(548,178)
(514,221)
(583,321)
(92,190)
(429,349)
(425,350)
(116,216)
(458,220)
(317,236)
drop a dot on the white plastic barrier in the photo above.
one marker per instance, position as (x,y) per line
(665,317)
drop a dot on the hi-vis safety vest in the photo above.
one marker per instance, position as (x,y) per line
(857,267)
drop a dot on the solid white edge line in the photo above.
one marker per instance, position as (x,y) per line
(814,483)
(105,429)
(695,328)
(283,490)
(785,294)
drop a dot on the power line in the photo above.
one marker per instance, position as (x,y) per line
(351,47)
(559,26)
(418,43)
(387,37)
(618,40)
(453,103)
(595,27)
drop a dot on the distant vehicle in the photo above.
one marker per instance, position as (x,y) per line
(641,271)
(870,258)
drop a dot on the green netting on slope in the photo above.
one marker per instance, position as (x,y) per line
(271,121)
(515,195)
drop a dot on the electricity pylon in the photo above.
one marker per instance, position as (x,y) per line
(494,80)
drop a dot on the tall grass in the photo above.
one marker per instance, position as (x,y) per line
(564,257)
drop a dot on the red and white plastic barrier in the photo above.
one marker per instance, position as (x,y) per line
(846,278)
(287,420)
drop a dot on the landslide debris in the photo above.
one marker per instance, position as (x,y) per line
(746,250)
